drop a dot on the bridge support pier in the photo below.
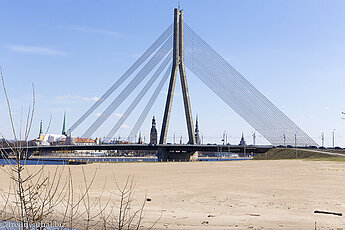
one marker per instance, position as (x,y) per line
(165,155)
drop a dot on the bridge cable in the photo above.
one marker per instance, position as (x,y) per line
(209,66)
(273,116)
(237,111)
(139,97)
(238,93)
(223,74)
(163,37)
(149,66)
(149,105)
(239,85)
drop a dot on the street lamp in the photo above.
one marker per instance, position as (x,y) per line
(296,143)
(333,137)
(225,138)
(254,136)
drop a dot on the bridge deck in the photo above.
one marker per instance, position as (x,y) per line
(136,147)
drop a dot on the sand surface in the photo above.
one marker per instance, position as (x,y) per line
(280,194)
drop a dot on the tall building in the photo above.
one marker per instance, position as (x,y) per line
(153,133)
(64,132)
(197,133)
(242,142)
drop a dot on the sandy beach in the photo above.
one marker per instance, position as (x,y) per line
(280,194)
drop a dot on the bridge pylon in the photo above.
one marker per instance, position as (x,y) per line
(177,65)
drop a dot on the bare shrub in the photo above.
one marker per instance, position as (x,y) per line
(39,195)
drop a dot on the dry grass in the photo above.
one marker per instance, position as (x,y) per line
(289,153)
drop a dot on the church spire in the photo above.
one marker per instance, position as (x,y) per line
(154,122)
(64,132)
(41,136)
(196,123)
(197,132)
(242,142)
(41,128)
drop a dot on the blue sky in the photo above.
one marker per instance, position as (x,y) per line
(72,51)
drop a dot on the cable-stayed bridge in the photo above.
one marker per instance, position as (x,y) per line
(177,48)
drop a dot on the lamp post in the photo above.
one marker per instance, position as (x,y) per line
(333,137)
(224,137)
(296,144)
(323,139)
(254,136)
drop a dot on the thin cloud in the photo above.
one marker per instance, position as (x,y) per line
(86,29)
(125,126)
(35,50)
(90,98)
(118,115)
(75,97)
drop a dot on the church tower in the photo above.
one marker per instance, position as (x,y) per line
(64,132)
(140,140)
(242,142)
(153,133)
(197,133)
